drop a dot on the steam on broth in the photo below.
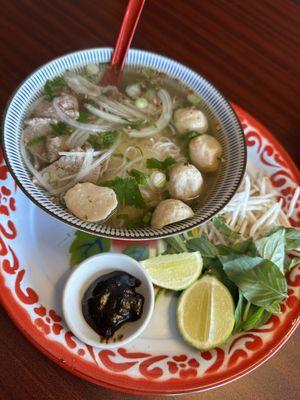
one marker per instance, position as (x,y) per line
(140,155)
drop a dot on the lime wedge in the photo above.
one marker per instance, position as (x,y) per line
(174,271)
(205,313)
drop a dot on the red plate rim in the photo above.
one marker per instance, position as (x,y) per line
(44,345)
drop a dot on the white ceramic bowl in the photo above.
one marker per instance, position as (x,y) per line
(230,135)
(83,276)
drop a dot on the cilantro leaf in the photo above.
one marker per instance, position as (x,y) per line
(36,139)
(188,135)
(128,222)
(134,124)
(93,103)
(103,139)
(161,165)
(83,116)
(85,245)
(60,128)
(139,176)
(52,87)
(127,192)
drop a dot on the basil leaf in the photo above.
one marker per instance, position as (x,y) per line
(272,248)
(238,313)
(274,308)
(261,281)
(214,267)
(292,238)
(240,248)
(137,251)
(257,316)
(85,245)
(177,244)
(202,244)
(222,227)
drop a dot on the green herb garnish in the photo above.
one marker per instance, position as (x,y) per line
(83,116)
(54,86)
(134,124)
(35,140)
(93,103)
(220,224)
(127,192)
(161,165)
(129,222)
(60,128)
(139,176)
(252,270)
(103,139)
(188,135)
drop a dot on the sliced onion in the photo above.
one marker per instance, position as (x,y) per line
(79,125)
(104,115)
(77,153)
(81,85)
(163,120)
(123,110)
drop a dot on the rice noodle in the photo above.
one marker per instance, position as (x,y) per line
(79,125)
(120,109)
(77,153)
(163,120)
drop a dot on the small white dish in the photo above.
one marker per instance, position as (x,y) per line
(79,281)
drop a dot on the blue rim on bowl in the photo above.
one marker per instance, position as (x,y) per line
(230,135)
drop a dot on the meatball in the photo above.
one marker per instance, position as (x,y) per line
(90,202)
(185,182)
(190,119)
(205,152)
(170,211)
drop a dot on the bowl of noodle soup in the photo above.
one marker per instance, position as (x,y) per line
(159,155)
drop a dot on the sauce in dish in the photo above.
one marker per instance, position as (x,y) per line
(110,301)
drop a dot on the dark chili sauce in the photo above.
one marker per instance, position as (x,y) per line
(110,301)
